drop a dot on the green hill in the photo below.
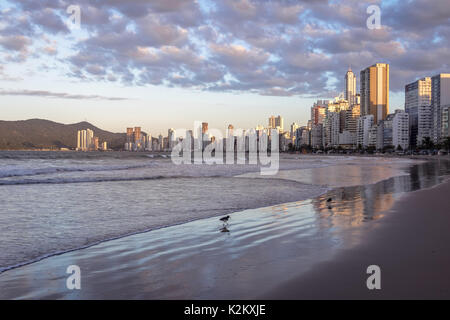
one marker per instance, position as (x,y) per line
(38,134)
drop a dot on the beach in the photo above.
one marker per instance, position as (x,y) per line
(281,231)
(411,245)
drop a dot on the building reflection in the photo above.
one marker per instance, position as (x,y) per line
(352,206)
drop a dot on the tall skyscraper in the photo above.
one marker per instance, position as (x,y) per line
(440,100)
(418,106)
(350,87)
(375,91)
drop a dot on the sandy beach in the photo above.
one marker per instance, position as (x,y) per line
(411,245)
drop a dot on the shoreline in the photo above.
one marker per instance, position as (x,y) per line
(411,245)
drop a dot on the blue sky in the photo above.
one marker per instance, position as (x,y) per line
(160,64)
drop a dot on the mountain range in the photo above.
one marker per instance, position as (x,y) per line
(45,134)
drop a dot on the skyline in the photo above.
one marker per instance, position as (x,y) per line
(300,58)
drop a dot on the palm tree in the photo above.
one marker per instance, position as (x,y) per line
(427,143)
(446,143)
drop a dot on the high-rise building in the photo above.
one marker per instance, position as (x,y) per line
(317,136)
(334,122)
(204,127)
(79,139)
(302,137)
(130,135)
(364,124)
(137,135)
(445,122)
(373,136)
(384,137)
(440,100)
(171,138)
(86,140)
(276,123)
(160,143)
(350,87)
(418,106)
(400,130)
(136,140)
(351,117)
(294,127)
(318,111)
(279,123)
(374,90)
(271,123)
(148,142)
(230,130)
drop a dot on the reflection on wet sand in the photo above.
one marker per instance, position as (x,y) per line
(351,206)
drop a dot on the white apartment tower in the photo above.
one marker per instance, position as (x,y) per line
(400,130)
(350,87)
(85,140)
(362,130)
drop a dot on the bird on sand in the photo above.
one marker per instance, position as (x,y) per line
(329,199)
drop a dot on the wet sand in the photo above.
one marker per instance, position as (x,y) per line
(411,245)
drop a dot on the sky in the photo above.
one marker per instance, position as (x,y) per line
(166,63)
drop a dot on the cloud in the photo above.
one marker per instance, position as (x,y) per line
(59,95)
(280,48)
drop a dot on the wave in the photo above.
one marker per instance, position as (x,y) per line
(8,173)
(93,180)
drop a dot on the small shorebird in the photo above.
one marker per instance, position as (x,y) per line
(329,199)
(225,219)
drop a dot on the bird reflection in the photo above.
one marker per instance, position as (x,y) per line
(224,229)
